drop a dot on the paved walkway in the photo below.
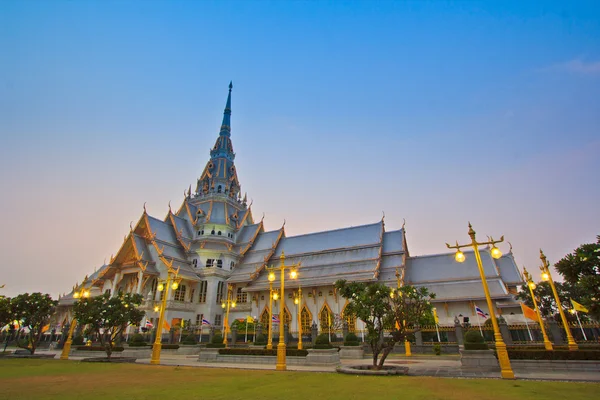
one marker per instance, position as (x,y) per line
(444,366)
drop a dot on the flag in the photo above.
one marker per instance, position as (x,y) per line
(275,319)
(435,317)
(480,312)
(45,328)
(205,322)
(578,307)
(529,313)
(249,319)
(166,325)
(149,324)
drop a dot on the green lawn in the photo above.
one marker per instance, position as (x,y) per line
(55,379)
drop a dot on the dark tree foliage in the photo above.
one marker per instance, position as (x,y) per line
(108,317)
(5,311)
(34,310)
(546,302)
(582,268)
(384,309)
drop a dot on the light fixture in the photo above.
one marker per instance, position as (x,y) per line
(572,311)
(233,304)
(296,300)
(175,285)
(156,308)
(275,296)
(271,276)
(545,276)
(496,253)
(293,274)
(222,305)
(459,256)
(532,285)
(86,293)
(76,295)
(160,287)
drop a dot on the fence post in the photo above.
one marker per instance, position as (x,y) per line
(459,333)
(555,332)
(504,331)
(314,332)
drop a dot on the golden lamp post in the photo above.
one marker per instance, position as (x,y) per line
(532,287)
(281,364)
(272,296)
(78,292)
(546,276)
(298,302)
(505,369)
(399,284)
(163,285)
(226,304)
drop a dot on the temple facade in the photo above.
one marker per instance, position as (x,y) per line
(220,251)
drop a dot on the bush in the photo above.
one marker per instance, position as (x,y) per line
(351,340)
(437,349)
(322,341)
(260,340)
(78,340)
(216,342)
(137,340)
(189,339)
(474,337)
(168,346)
(262,352)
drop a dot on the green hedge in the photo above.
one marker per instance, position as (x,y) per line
(262,352)
(138,344)
(476,346)
(98,348)
(169,346)
(352,343)
(580,355)
(351,340)
(215,346)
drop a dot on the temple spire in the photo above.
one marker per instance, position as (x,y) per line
(226,125)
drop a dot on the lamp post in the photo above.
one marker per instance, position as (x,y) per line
(298,302)
(172,282)
(78,292)
(281,363)
(505,369)
(546,276)
(532,286)
(399,284)
(270,333)
(226,304)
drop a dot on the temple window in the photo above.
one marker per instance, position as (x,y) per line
(231,265)
(219,263)
(218,320)
(219,189)
(242,297)
(195,262)
(203,291)
(180,293)
(209,262)
(219,233)
(220,292)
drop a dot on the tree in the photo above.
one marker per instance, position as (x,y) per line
(545,298)
(381,309)
(582,268)
(34,310)
(109,316)
(5,311)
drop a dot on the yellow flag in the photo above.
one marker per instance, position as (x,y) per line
(249,319)
(435,317)
(45,328)
(578,307)
(529,312)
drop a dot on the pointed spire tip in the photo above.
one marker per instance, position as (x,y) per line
(230,85)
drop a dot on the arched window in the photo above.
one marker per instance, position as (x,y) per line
(219,233)
(350,320)
(306,318)
(287,317)
(220,263)
(231,265)
(219,189)
(264,320)
(212,232)
(242,297)
(326,319)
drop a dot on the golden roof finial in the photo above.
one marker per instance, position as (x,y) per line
(403,223)
(170,212)
(144,207)
(383,216)
(509,247)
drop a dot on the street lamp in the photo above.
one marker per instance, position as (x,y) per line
(281,363)
(546,276)
(78,293)
(226,304)
(298,302)
(172,282)
(532,287)
(271,294)
(399,284)
(505,369)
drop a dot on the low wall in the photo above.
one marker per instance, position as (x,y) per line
(479,359)
(315,357)
(556,365)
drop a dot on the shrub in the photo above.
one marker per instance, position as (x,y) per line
(216,342)
(322,341)
(137,340)
(78,340)
(474,341)
(189,339)
(169,346)
(437,349)
(554,355)
(260,340)
(351,340)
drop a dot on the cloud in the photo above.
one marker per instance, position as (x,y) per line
(578,66)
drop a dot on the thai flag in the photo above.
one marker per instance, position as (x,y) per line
(205,322)
(149,324)
(480,312)
(275,319)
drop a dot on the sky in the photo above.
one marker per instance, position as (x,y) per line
(434,113)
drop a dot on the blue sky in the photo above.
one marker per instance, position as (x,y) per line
(434,112)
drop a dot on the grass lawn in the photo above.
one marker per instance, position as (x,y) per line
(55,379)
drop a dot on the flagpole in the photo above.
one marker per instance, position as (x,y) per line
(478,321)
(329,321)
(362,331)
(246,337)
(438,333)
(201,328)
(527,325)
(580,327)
